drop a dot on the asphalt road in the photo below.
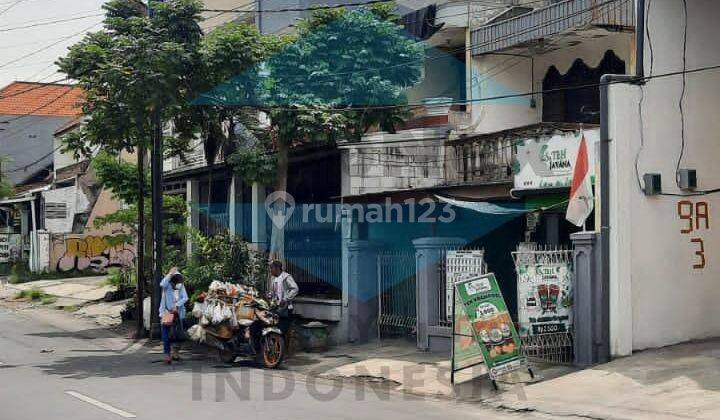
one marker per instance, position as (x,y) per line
(48,373)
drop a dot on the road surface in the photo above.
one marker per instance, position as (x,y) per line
(49,373)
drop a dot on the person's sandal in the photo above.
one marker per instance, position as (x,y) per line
(168,361)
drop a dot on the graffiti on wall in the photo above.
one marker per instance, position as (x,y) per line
(96,253)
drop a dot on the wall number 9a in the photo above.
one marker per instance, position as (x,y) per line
(695,217)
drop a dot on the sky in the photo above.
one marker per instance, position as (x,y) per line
(43,43)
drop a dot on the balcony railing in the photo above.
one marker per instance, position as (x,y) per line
(551,20)
(480,159)
(493,157)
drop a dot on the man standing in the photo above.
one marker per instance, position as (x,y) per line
(283,289)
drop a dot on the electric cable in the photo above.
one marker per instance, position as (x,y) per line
(35,25)
(47,47)
(7,9)
(681,102)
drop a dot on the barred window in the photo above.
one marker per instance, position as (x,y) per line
(55,210)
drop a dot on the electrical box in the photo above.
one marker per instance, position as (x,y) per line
(687,179)
(653,184)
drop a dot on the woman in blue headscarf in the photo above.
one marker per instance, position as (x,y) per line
(172,310)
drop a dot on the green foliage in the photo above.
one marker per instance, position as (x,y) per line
(48,300)
(121,277)
(224,257)
(254,164)
(119,175)
(35,295)
(20,273)
(342,65)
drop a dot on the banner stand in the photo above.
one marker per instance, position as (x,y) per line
(492,331)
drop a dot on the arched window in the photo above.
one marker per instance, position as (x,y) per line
(581,105)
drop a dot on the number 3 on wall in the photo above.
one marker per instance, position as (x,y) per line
(700,253)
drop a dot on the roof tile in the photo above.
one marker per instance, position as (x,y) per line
(41,99)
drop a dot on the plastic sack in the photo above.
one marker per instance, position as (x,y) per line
(217,316)
(197,333)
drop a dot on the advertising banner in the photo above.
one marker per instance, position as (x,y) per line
(490,323)
(545,291)
(548,162)
(460,266)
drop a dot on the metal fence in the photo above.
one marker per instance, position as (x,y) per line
(317,273)
(396,292)
(444,315)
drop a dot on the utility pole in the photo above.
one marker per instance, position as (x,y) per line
(156,168)
(157,205)
(140,288)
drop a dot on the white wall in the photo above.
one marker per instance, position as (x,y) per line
(657,297)
(60,159)
(76,202)
(391,162)
(496,75)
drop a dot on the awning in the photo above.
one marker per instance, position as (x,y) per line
(16,200)
(552,202)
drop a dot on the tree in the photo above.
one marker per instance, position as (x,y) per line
(139,69)
(226,51)
(132,71)
(345,72)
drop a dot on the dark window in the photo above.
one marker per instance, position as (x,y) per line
(562,103)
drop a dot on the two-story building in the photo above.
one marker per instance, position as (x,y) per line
(500,150)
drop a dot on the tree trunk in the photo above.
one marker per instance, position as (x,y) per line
(279,214)
(140,291)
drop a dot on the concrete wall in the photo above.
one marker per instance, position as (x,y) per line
(391,162)
(661,292)
(60,159)
(496,75)
(75,202)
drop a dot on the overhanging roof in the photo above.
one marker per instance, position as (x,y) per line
(551,20)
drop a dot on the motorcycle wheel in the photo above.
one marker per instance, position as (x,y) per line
(272,350)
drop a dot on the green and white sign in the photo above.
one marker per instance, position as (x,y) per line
(490,323)
(548,162)
(545,298)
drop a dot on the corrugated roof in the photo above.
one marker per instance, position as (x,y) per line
(40,99)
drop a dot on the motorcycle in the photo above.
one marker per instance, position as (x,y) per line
(257,337)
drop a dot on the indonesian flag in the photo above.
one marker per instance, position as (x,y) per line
(581,202)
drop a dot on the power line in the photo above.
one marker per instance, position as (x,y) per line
(5,10)
(53,22)
(340,6)
(615,4)
(38,85)
(45,19)
(47,47)
(300,9)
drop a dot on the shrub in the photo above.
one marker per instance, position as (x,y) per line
(224,257)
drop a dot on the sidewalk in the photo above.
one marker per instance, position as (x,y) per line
(681,381)
(80,295)
(397,365)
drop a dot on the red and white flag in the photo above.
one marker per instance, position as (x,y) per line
(581,202)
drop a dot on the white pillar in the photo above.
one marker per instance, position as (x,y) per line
(33,239)
(259,217)
(192,199)
(235,206)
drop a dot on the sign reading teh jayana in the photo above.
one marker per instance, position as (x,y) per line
(548,161)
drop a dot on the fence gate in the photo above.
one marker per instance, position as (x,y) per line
(396,293)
